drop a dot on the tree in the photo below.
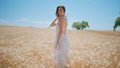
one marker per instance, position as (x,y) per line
(117,23)
(80,25)
(76,25)
(84,24)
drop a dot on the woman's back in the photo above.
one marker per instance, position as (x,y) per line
(64,21)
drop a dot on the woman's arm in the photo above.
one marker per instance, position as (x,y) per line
(61,26)
(53,23)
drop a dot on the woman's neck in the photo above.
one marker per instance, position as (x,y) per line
(62,16)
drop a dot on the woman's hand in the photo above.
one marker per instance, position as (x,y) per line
(57,47)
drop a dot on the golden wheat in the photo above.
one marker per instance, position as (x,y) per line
(28,47)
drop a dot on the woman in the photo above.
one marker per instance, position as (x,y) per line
(62,45)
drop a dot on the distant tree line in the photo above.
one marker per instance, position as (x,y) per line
(84,24)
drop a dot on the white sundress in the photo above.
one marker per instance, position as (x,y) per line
(61,54)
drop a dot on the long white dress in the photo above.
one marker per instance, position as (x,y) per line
(61,54)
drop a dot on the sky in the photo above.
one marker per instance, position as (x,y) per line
(100,14)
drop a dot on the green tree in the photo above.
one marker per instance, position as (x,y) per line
(84,24)
(117,23)
(76,25)
(80,25)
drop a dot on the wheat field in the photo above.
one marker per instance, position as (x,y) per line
(30,47)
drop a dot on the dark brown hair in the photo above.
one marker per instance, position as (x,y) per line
(57,10)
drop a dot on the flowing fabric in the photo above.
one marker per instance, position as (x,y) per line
(61,54)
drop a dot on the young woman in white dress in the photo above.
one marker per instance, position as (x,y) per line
(61,44)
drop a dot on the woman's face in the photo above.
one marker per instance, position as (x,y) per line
(60,11)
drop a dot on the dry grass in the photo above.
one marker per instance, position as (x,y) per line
(28,47)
